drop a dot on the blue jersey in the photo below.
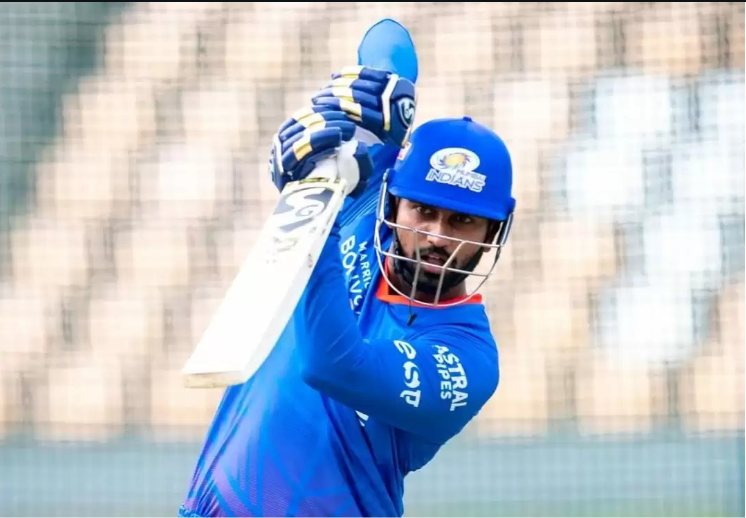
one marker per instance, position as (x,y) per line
(354,396)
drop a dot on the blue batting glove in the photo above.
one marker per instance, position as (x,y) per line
(309,136)
(379,101)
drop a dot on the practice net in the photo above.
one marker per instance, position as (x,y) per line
(133,146)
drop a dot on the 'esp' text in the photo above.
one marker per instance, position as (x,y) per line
(412,393)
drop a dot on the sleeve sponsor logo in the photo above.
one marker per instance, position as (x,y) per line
(453,380)
(411,394)
(357,268)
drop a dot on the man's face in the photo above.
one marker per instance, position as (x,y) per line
(438,249)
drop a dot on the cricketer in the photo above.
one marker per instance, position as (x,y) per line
(388,355)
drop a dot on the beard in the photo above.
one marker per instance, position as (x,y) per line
(428,281)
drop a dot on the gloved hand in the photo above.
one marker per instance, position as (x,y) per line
(309,136)
(379,101)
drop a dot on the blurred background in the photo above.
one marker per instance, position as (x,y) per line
(133,146)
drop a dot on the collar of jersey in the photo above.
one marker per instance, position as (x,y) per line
(385,294)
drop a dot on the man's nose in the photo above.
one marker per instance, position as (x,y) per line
(437,236)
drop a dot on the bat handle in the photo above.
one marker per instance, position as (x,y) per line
(340,166)
(326,168)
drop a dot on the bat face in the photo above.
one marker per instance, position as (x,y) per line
(246,326)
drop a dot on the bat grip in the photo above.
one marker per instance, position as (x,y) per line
(341,165)
(326,168)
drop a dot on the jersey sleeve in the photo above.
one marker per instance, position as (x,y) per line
(430,385)
(383,157)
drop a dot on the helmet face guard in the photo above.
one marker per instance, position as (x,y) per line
(411,268)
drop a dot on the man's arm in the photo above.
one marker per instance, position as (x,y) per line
(429,386)
(383,157)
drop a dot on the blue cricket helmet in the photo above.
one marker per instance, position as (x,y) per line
(456,164)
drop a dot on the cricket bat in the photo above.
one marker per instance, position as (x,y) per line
(258,304)
(263,296)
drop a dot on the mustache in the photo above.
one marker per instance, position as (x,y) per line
(436,252)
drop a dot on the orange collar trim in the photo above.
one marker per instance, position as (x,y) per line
(385,294)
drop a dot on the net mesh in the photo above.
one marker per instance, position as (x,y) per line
(133,144)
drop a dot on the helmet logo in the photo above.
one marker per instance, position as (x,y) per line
(456,166)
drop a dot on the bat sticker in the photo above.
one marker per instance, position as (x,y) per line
(299,208)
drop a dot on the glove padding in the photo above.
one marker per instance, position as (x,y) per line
(311,135)
(379,101)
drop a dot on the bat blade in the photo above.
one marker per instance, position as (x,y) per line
(263,296)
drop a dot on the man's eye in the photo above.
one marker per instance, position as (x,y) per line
(423,210)
(464,220)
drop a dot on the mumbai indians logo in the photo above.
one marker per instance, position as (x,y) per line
(456,166)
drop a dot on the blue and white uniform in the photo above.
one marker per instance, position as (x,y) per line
(356,394)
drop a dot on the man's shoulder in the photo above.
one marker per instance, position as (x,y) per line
(470,344)
(467,321)
(469,336)
(365,204)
